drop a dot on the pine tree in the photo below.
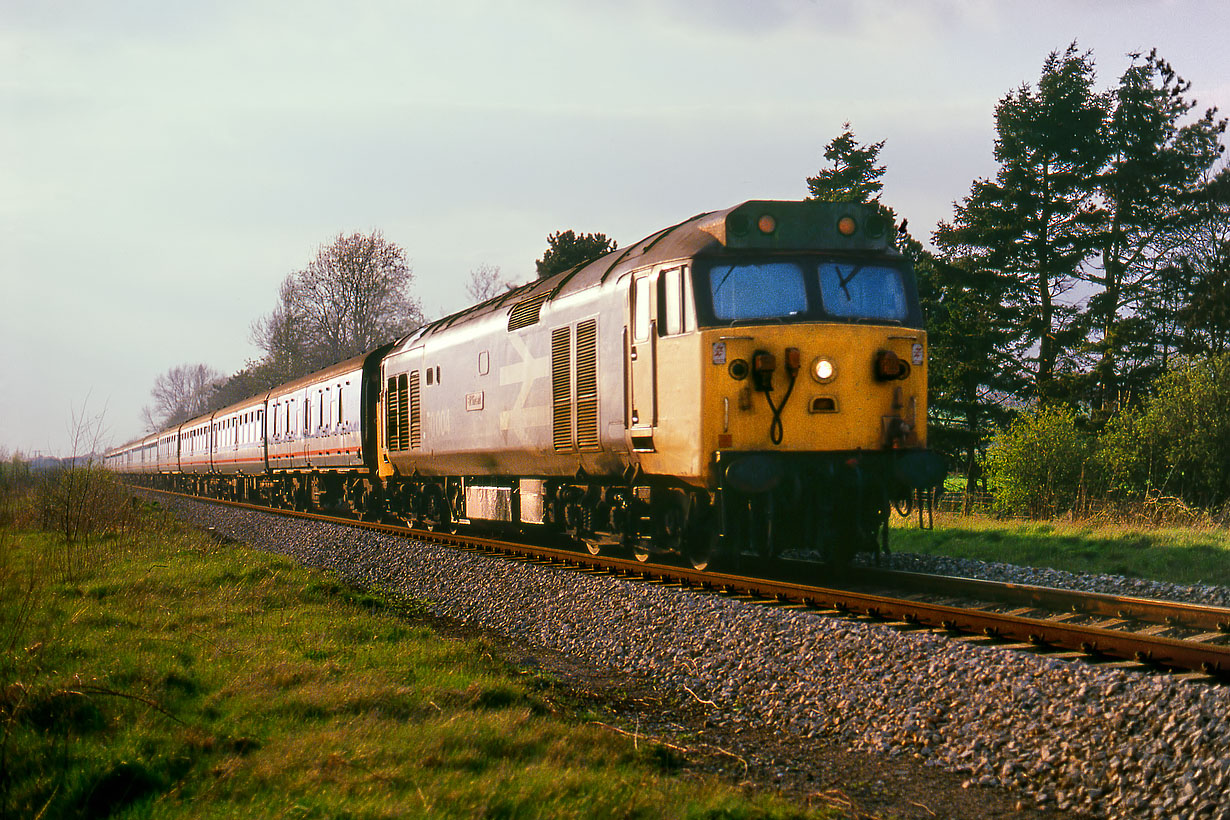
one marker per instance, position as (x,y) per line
(1028,231)
(854,177)
(1151,201)
(567,249)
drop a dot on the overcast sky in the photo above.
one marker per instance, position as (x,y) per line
(163,166)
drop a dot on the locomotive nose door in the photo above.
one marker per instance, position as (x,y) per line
(641,412)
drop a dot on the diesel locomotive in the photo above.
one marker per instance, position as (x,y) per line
(747,382)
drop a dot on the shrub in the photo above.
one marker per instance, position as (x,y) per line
(1037,466)
(1178,443)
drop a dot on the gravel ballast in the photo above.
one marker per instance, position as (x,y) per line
(1069,736)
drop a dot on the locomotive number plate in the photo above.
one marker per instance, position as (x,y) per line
(474,401)
(916,355)
(719,353)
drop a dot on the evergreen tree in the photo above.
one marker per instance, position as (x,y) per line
(854,177)
(966,363)
(565,249)
(1202,321)
(1028,231)
(1150,202)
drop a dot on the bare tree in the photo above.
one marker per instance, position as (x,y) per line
(179,394)
(486,282)
(352,296)
(284,336)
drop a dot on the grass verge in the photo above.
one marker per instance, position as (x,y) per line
(177,677)
(1179,555)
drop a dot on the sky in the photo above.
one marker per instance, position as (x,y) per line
(164,166)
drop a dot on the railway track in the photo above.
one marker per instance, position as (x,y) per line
(1103,628)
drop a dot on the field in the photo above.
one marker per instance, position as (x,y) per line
(1184,555)
(157,673)
(154,672)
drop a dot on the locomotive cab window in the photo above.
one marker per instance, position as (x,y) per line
(642,289)
(757,291)
(806,289)
(675,314)
(864,291)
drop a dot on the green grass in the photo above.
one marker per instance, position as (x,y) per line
(181,678)
(1180,555)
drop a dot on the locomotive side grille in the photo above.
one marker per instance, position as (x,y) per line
(415,439)
(525,312)
(390,415)
(587,384)
(561,388)
(403,441)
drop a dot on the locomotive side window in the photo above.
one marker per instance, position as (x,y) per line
(484,363)
(673,288)
(641,288)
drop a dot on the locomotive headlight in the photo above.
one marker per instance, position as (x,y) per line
(767,224)
(823,370)
(846,226)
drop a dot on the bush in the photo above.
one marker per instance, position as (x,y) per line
(80,505)
(1178,443)
(1037,466)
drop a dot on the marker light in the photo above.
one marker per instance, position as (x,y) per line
(846,226)
(823,370)
(767,224)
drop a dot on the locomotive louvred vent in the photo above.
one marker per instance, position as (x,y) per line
(525,312)
(391,414)
(416,427)
(561,388)
(587,384)
(403,420)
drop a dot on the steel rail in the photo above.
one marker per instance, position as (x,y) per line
(1047,633)
(1097,604)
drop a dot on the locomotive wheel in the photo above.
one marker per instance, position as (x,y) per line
(640,552)
(700,546)
(592,546)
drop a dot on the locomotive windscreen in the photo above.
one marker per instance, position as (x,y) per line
(862,291)
(804,290)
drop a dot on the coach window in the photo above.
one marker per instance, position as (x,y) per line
(484,363)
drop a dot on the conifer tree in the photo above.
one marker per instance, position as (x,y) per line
(1028,231)
(854,177)
(567,249)
(1150,202)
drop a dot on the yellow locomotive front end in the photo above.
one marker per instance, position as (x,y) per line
(812,379)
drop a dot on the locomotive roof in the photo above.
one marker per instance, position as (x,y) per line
(805,225)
